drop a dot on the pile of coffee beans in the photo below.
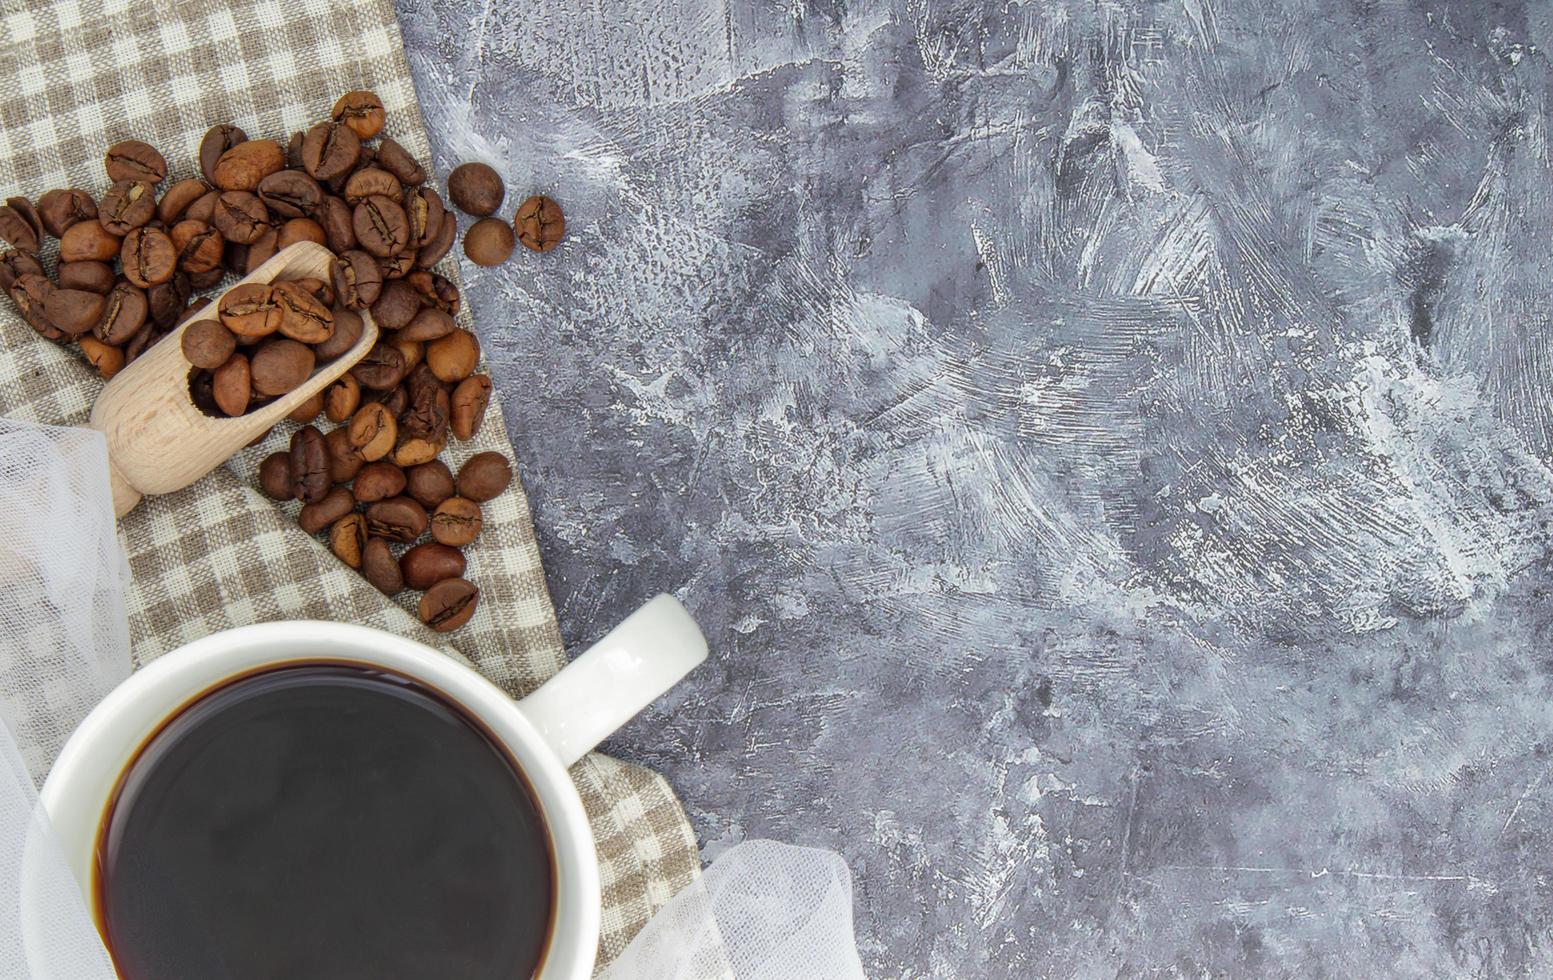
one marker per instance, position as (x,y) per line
(130,262)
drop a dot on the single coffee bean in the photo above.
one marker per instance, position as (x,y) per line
(280,365)
(144,338)
(427,415)
(417,450)
(128,205)
(456,521)
(207,344)
(380,226)
(396,400)
(469,401)
(261,250)
(397,266)
(539,223)
(275,476)
(396,305)
(294,152)
(484,476)
(206,279)
(170,209)
(96,277)
(449,604)
(428,563)
(302,316)
(310,465)
(108,360)
(18,231)
(249,310)
(240,216)
(423,209)
(216,142)
(344,461)
(244,166)
(342,398)
(380,567)
(489,242)
(134,160)
(347,330)
(373,431)
(430,255)
(330,150)
(337,218)
(453,358)
(165,300)
(429,484)
(348,538)
(199,246)
(125,314)
(397,518)
(202,394)
(378,481)
(30,292)
(290,194)
(148,257)
(361,111)
(381,368)
(308,411)
(317,288)
(411,350)
(75,311)
(203,208)
(435,291)
(357,281)
(233,385)
(320,514)
(301,230)
(14,265)
(398,161)
(88,241)
(60,209)
(369,182)
(476,188)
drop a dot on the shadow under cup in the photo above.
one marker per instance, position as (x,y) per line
(324,819)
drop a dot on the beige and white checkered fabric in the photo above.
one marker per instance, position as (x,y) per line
(80,74)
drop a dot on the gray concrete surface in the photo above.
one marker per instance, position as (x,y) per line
(1107,443)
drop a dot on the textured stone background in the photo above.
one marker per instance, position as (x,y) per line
(1107,444)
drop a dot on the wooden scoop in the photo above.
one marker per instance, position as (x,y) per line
(158,441)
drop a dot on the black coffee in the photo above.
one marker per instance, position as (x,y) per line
(323,821)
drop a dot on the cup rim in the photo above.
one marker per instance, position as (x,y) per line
(166,685)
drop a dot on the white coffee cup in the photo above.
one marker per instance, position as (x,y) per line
(545,733)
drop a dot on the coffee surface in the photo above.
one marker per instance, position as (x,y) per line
(324,821)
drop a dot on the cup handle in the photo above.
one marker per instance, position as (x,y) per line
(613,680)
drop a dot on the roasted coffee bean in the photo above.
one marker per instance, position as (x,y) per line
(60,209)
(344,461)
(469,400)
(453,358)
(144,338)
(361,111)
(178,198)
(397,266)
(373,431)
(300,230)
(381,368)
(275,476)
(199,246)
(336,217)
(233,385)
(423,209)
(128,205)
(330,150)
(342,398)
(108,360)
(428,563)
(96,277)
(484,476)
(317,288)
(310,465)
(320,514)
(430,255)
(148,257)
(75,311)
(244,166)
(378,481)
(489,242)
(449,604)
(294,151)
(249,310)
(302,316)
(429,483)
(380,567)
(396,401)
(347,330)
(347,539)
(206,279)
(217,141)
(411,350)
(124,315)
(456,521)
(88,241)
(476,188)
(357,281)
(260,250)
(397,160)
(14,265)
(435,291)
(280,365)
(396,305)
(20,233)
(369,182)
(134,160)
(539,223)
(30,292)
(290,194)
(165,300)
(207,344)
(416,450)
(397,518)
(203,208)
(240,216)
(308,410)
(380,226)
(427,415)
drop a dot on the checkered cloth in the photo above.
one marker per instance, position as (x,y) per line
(81,74)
